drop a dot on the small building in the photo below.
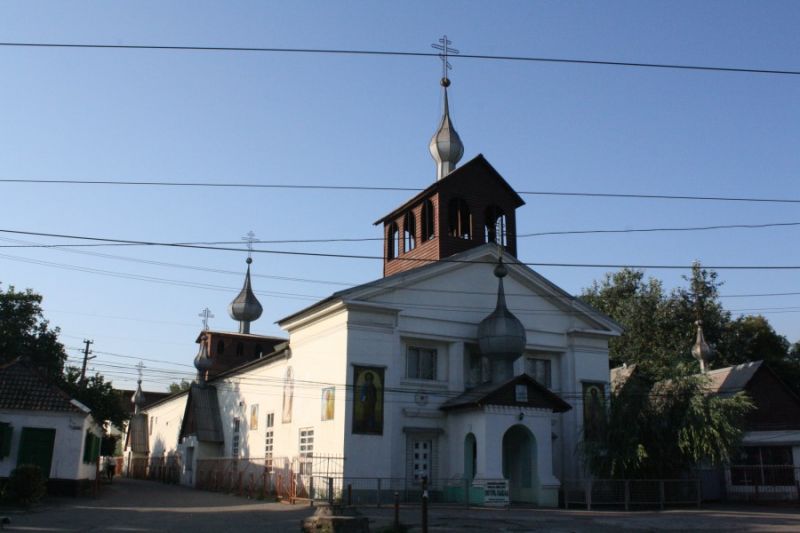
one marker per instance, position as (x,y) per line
(42,425)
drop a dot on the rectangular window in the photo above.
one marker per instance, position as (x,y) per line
(763,465)
(421,363)
(268,442)
(539,369)
(521,393)
(235,438)
(306,450)
(270,420)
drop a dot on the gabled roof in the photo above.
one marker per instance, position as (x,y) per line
(201,416)
(470,166)
(22,387)
(486,253)
(538,396)
(732,379)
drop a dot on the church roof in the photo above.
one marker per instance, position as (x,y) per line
(201,417)
(475,164)
(137,438)
(537,396)
(485,253)
(732,379)
(22,387)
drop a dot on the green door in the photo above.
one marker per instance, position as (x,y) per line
(36,448)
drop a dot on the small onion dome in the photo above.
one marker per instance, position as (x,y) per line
(446,146)
(245,307)
(701,350)
(202,361)
(501,335)
(138,397)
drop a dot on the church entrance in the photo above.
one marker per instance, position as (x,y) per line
(519,464)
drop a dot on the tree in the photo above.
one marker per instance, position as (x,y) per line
(96,394)
(24,332)
(176,387)
(659,429)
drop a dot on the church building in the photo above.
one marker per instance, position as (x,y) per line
(461,365)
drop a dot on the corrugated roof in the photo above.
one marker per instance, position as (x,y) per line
(201,417)
(23,387)
(137,433)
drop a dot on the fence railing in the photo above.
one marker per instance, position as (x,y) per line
(631,493)
(762,482)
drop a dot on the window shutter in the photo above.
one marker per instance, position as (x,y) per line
(5,439)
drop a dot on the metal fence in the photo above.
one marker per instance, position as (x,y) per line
(631,493)
(761,483)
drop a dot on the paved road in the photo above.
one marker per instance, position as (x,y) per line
(130,505)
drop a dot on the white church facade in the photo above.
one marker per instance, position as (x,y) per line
(461,366)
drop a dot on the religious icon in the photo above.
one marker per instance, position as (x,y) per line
(254,416)
(368,400)
(288,396)
(328,402)
(594,410)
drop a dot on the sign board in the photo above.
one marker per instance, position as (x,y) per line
(495,492)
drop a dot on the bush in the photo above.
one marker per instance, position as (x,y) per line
(27,484)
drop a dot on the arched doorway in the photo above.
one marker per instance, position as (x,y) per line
(470,456)
(519,464)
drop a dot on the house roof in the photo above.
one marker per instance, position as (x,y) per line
(732,379)
(538,396)
(469,166)
(22,387)
(201,417)
(620,375)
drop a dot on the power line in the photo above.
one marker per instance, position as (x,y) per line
(416,260)
(331,51)
(392,189)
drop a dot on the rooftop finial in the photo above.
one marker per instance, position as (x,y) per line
(205,314)
(138,396)
(202,362)
(445,146)
(701,350)
(246,308)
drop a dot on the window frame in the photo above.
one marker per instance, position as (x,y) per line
(419,366)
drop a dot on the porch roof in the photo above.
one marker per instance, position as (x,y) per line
(537,396)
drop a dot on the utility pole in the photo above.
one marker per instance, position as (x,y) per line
(86,358)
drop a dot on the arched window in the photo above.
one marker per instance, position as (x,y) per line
(393,246)
(410,231)
(496,229)
(240,349)
(427,221)
(220,347)
(258,351)
(460,219)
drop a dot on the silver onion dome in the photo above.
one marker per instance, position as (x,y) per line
(501,336)
(446,146)
(138,397)
(202,362)
(701,350)
(245,308)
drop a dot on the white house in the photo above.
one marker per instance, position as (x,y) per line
(452,367)
(40,424)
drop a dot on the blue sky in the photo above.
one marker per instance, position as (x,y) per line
(354,120)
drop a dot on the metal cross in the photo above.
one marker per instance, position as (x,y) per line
(445,51)
(205,314)
(139,368)
(250,238)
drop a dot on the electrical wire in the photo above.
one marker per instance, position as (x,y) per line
(331,51)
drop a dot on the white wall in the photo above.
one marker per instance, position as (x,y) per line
(70,429)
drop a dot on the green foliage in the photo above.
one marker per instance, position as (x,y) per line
(659,327)
(24,332)
(26,485)
(176,387)
(96,394)
(662,428)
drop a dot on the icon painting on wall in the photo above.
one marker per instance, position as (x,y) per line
(328,403)
(288,396)
(368,400)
